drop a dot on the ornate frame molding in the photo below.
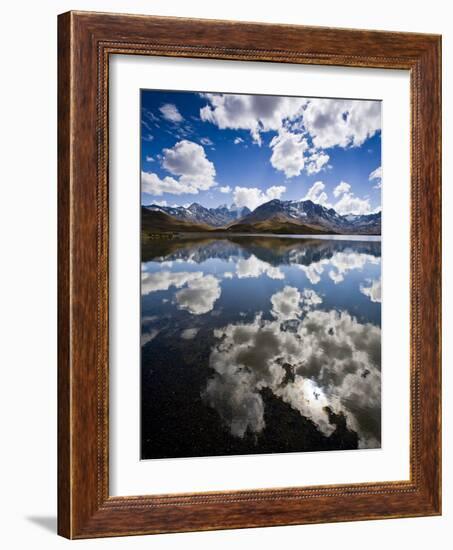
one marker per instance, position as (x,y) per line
(86,40)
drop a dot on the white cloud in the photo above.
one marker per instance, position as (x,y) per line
(149,158)
(304,127)
(225,189)
(153,185)
(253,197)
(206,141)
(351,204)
(376,175)
(373,291)
(256,113)
(310,299)
(341,123)
(286,304)
(160,203)
(334,361)
(163,280)
(289,303)
(189,333)
(313,271)
(253,267)
(148,335)
(186,160)
(341,188)
(347,204)
(199,296)
(316,194)
(275,192)
(343,262)
(171,113)
(288,152)
(316,162)
(340,264)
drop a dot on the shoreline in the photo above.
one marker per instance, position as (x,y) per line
(323,236)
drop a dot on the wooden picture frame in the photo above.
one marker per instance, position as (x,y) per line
(85,41)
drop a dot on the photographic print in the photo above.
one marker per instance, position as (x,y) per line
(260,274)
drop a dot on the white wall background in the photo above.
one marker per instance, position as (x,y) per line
(28,124)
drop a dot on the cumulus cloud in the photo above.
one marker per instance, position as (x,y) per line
(253,267)
(188,162)
(286,304)
(160,203)
(225,189)
(288,152)
(341,123)
(189,333)
(348,203)
(376,175)
(256,113)
(373,291)
(351,204)
(334,361)
(317,194)
(304,128)
(170,112)
(289,303)
(199,296)
(238,405)
(341,188)
(343,262)
(154,185)
(253,197)
(310,299)
(313,271)
(163,280)
(338,266)
(316,162)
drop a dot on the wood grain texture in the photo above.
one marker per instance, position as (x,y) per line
(85,42)
(64,371)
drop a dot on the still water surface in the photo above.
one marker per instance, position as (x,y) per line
(260,344)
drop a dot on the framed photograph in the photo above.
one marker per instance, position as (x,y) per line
(249,275)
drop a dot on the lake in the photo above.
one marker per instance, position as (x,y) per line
(260,344)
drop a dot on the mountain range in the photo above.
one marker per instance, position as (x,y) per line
(274,216)
(275,252)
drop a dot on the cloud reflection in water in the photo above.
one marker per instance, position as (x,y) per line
(249,329)
(334,361)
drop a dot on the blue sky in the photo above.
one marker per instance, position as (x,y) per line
(247,149)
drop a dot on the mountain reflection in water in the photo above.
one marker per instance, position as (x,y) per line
(260,345)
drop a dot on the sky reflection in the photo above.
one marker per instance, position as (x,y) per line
(268,336)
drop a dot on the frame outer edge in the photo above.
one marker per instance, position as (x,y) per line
(428,237)
(82,510)
(435,171)
(438,168)
(64,315)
